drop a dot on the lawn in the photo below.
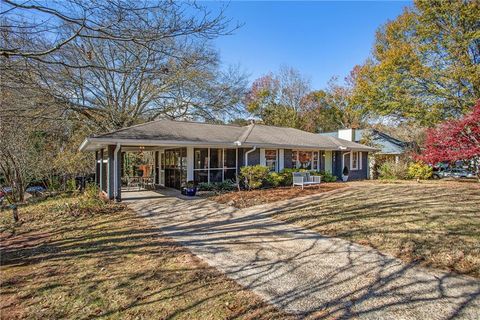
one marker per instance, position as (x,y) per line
(243,199)
(435,223)
(110,264)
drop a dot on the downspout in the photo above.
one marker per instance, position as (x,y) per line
(246,154)
(115,173)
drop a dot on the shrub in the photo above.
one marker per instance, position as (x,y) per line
(328,177)
(71,185)
(90,202)
(391,170)
(224,186)
(276,179)
(254,177)
(419,171)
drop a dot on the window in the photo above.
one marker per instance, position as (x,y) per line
(305,159)
(315,161)
(200,168)
(356,160)
(230,164)
(201,158)
(214,164)
(271,159)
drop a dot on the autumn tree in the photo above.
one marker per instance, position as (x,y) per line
(277,98)
(333,108)
(426,63)
(455,139)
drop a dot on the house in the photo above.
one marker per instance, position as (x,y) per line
(204,152)
(389,147)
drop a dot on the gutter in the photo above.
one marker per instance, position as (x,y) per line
(84,144)
(246,154)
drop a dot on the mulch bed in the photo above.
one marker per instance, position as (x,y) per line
(245,199)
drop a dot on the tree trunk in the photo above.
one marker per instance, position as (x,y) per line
(15,212)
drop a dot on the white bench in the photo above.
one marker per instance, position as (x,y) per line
(305,179)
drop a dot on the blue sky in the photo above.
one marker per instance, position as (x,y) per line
(321,39)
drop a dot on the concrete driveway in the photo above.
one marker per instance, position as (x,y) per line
(303,272)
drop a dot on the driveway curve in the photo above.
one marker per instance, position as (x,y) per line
(303,272)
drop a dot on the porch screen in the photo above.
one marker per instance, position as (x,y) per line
(214,164)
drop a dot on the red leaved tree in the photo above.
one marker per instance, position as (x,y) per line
(454,140)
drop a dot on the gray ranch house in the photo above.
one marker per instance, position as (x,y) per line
(201,152)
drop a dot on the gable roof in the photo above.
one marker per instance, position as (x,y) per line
(174,133)
(386,143)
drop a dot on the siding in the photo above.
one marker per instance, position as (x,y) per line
(253,157)
(357,174)
(337,164)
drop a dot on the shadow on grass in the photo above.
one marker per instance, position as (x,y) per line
(302,272)
(167,282)
(316,276)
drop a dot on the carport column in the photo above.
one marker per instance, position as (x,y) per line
(118,173)
(370,166)
(110,171)
(157,168)
(101,172)
(97,168)
(190,161)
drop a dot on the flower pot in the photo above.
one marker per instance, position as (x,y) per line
(344,178)
(191,192)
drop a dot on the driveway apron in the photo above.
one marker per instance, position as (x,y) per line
(301,271)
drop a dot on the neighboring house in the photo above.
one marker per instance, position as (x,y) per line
(202,152)
(390,148)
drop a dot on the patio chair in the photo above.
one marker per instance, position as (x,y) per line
(305,179)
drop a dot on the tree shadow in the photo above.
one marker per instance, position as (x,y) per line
(308,274)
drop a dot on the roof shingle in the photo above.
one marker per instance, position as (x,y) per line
(204,133)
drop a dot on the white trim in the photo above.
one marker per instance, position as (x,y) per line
(281,159)
(161,158)
(359,163)
(263,161)
(116,172)
(190,163)
(328,161)
(93,144)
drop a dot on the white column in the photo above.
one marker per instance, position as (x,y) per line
(190,163)
(263,161)
(328,161)
(281,159)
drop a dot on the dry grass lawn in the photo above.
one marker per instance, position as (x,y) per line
(243,199)
(436,223)
(113,266)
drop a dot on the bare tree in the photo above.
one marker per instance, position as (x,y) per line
(130,62)
(48,27)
